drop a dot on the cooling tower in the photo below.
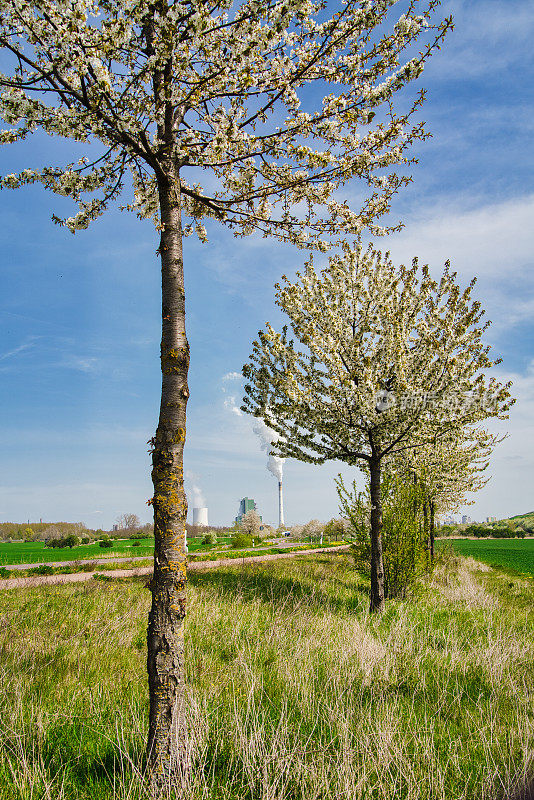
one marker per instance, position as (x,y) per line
(281,522)
(200,517)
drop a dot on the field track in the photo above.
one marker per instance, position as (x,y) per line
(74,577)
(112,559)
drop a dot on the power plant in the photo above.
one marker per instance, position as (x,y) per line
(200,517)
(281,522)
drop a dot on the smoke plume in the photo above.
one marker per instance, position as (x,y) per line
(194,491)
(267,438)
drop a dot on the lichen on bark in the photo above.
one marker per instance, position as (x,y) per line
(166,750)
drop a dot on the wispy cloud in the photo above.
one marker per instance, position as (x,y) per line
(230,402)
(512,462)
(493,242)
(20,349)
(488,37)
(87,364)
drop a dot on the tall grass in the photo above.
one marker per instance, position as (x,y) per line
(294,691)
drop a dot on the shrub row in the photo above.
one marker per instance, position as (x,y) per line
(65,541)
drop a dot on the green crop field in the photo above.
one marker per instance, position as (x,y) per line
(36,552)
(516,554)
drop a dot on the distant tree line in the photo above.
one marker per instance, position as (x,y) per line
(504,529)
(198,531)
(37,531)
(48,531)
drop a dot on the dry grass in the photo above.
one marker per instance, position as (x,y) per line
(294,691)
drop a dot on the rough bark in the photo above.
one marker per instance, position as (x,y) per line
(426,526)
(165,636)
(377,558)
(432,531)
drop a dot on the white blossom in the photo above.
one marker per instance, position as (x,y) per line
(232,105)
(373,334)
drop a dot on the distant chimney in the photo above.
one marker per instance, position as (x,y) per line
(281,522)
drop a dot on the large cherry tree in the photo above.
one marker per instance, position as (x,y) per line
(253,114)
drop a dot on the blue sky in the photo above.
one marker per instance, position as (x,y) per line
(79,315)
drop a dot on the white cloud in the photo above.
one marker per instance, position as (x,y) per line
(484,239)
(488,37)
(493,242)
(231,405)
(230,402)
(232,376)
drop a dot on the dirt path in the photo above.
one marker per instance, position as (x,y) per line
(76,577)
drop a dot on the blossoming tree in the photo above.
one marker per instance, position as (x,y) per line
(392,361)
(205,110)
(447,470)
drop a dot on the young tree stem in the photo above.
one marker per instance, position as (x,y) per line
(377,560)
(165,636)
(432,529)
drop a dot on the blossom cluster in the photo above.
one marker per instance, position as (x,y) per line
(177,89)
(389,359)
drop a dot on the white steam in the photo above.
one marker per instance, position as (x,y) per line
(194,491)
(268,437)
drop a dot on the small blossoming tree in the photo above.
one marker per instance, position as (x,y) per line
(447,470)
(391,361)
(253,114)
(250,523)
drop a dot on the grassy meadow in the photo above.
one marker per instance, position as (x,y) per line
(512,554)
(294,691)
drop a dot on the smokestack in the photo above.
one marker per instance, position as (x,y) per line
(280,505)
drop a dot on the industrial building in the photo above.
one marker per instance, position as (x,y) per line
(200,517)
(245,505)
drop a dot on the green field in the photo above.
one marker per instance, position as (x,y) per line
(37,553)
(516,554)
(294,692)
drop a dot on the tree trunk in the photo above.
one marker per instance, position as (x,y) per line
(426,527)
(377,560)
(165,636)
(432,530)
